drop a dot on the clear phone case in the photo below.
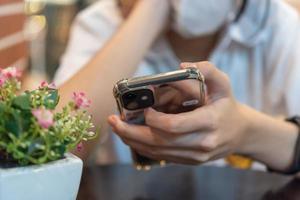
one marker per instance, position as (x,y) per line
(172,92)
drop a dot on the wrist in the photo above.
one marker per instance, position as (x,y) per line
(268,140)
(248,135)
(293,166)
(257,131)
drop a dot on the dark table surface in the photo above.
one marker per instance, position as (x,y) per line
(123,182)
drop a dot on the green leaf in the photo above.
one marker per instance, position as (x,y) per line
(2,108)
(62,150)
(51,101)
(26,119)
(22,101)
(13,123)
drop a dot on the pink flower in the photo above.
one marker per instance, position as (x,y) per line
(2,80)
(79,146)
(11,72)
(80,100)
(44,84)
(44,117)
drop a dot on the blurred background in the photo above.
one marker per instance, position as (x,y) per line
(45,25)
(47,29)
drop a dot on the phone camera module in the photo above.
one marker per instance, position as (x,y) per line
(138,99)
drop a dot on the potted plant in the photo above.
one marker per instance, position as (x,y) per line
(35,141)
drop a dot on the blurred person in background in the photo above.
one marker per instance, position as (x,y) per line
(255,42)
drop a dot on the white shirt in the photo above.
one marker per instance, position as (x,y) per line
(260,53)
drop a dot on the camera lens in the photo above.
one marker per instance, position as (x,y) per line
(132,105)
(138,99)
(130,96)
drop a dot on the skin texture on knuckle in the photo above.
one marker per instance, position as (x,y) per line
(150,119)
(212,120)
(172,125)
(209,144)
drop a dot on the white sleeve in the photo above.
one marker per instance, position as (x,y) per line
(292,65)
(90,31)
(283,74)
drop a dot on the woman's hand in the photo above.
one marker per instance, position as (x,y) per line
(221,127)
(204,134)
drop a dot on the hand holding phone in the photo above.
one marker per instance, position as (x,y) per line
(164,92)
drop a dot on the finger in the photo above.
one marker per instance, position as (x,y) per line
(170,155)
(193,141)
(156,138)
(217,82)
(189,156)
(189,88)
(200,119)
(219,153)
(138,133)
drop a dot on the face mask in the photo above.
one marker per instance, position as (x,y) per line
(194,18)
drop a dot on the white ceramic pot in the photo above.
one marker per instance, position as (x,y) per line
(58,180)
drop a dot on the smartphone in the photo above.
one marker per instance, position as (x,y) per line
(158,91)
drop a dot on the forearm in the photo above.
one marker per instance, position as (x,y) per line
(118,59)
(269,140)
(120,56)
